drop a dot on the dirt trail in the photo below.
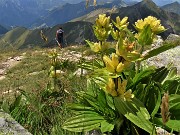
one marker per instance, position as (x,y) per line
(9,63)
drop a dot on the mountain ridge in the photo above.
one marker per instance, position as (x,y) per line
(71,11)
(2,29)
(21,37)
(81,28)
(173,7)
(146,8)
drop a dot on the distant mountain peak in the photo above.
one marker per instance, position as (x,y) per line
(176,2)
(172,7)
(148,2)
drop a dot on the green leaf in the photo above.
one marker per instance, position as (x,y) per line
(170,125)
(172,86)
(143,76)
(102,99)
(135,112)
(160,74)
(83,122)
(146,36)
(158,103)
(172,73)
(79,107)
(106,127)
(151,94)
(165,47)
(174,106)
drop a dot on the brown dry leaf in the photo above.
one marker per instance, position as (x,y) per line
(165,108)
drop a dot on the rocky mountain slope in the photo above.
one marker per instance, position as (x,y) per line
(2,30)
(173,7)
(71,11)
(25,12)
(164,2)
(171,21)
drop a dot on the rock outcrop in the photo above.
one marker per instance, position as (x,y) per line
(167,57)
(8,126)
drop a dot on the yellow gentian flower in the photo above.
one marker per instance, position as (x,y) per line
(154,23)
(110,88)
(125,95)
(103,21)
(121,24)
(121,91)
(113,65)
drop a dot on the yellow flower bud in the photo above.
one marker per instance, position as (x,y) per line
(115,60)
(121,24)
(109,64)
(125,95)
(121,87)
(113,65)
(110,88)
(120,67)
(124,21)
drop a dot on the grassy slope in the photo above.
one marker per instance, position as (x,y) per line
(31,74)
(20,38)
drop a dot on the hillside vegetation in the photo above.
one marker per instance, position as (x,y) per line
(20,38)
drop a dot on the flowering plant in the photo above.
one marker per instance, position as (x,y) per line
(122,96)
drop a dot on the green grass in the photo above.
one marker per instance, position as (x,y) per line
(20,75)
(31,76)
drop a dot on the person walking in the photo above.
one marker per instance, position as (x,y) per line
(59,37)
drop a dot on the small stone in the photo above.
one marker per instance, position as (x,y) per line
(80,72)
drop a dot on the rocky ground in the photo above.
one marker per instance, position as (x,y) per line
(170,56)
(8,126)
(9,63)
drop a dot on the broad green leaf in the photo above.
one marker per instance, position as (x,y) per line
(174,124)
(158,103)
(172,86)
(165,47)
(110,102)
(174,106)
(135,112)
(151,93)
(102,99)
(160,74)
(83,122)
(172,73)
(79,107)
(106,127)
(139,91)
(143,76)
(83,129)
(100,81)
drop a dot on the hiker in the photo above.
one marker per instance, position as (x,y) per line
(59,36)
